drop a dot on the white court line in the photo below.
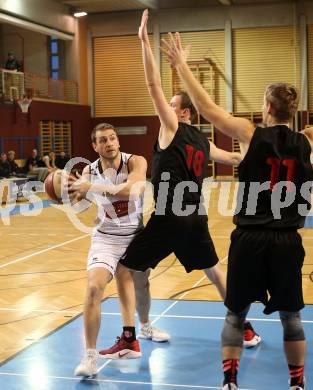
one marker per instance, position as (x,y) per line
(164,312)
(118,381)
(117,314)
(183,295)
(43,251)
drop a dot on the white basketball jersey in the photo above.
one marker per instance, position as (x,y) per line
(116,215)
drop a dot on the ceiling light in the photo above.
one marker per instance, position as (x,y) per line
(79,14)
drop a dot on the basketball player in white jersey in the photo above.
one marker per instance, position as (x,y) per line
(113,177)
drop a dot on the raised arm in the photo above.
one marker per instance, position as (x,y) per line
(239,128)
(168,118)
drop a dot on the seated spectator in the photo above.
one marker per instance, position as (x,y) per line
(12,63)
(49,161)
(5,168)
(14,168)
(61,160)
(36,166)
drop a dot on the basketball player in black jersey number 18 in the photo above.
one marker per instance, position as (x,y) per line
(179,223)
(266,252)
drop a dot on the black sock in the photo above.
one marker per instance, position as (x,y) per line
(296,375)
(129,333)
(230,368)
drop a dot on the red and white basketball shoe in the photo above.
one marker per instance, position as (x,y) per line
(250,339)
(122,350)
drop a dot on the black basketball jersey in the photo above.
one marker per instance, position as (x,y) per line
(184,160)
(279,160)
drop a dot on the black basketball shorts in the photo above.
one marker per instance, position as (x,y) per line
(265,265)
(187,236)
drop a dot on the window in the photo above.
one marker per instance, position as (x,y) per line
(54,58)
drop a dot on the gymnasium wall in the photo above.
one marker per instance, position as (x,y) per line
(27,45)
(15,124)
(261,56)
(265,42)
(310,65)
(2,58)
(43,14)
(120,88)
(117,91)
(47,13)
(264,49)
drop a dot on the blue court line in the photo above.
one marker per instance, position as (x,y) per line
(190,360)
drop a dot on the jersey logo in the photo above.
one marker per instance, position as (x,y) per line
(121,355)
(120,209)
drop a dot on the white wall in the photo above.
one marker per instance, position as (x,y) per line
(45,12)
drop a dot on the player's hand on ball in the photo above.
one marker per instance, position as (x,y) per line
(78,188)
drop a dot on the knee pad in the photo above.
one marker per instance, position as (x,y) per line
(141,280)
(232,334)
(293,328)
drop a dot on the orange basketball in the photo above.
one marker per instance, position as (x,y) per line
(53,185)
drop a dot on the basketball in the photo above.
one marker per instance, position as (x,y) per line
(53,185)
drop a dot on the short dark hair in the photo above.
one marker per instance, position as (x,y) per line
(187,103)
(284,99)
(101,126)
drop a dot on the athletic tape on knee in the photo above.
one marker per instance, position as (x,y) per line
(232,334)
(293,328)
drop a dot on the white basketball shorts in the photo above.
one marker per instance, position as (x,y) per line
(106,250)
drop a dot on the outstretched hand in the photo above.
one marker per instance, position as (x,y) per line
(142,32)
(173,50)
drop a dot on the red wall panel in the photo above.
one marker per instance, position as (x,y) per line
(223,142)
(15,124)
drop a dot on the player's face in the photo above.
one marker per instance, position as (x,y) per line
(107,144)
(183,114)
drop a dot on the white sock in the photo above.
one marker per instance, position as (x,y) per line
(91,352)
(141,325)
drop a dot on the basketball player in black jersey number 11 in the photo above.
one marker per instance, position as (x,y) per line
(266,252)
(178,225)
